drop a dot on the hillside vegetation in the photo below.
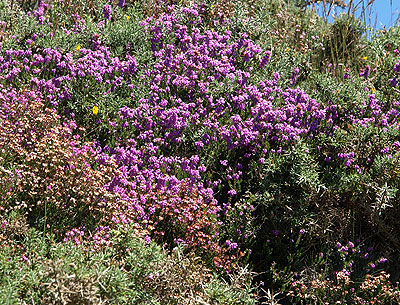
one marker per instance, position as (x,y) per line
(197,152)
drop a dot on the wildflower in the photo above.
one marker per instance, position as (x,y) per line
(95,110)
(232,192)
(128,17)
(233,246)
(364,58)
(107,11)
(224,162)
(121,3)
(78,47)
(294,76)
(366,72)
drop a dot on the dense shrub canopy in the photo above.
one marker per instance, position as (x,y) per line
(230,134)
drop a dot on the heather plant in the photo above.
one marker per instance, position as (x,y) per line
(229,133)
(55,179)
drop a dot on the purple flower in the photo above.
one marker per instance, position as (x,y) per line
(366,72)
(233,246)
(107,10)
(121,3)
(302,231)
(345,271)
(265,59)
(23,257)
(295,74)
(147,239)
(224,162)
(232,192)
(275,232)
(383,260)
(396,67)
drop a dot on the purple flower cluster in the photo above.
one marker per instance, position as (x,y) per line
(200,99)
(54,72)
(40,11)
(107,11)
(394,82)
(365,73)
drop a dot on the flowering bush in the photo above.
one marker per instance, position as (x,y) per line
(55,177)
(240,132)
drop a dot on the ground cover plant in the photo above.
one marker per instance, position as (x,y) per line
(197,152)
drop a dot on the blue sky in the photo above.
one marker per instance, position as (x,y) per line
(380,13)
(385,13)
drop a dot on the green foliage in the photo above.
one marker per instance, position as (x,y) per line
(35,269)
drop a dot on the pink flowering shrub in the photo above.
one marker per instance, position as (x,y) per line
(55,177)
(374,289)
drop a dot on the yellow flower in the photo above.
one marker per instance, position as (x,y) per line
(364,58)
(78,47)
(95,110)
(128,17)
